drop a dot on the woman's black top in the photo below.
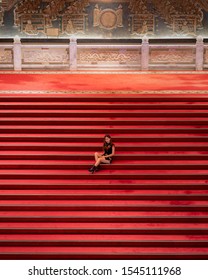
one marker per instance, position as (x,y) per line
(108,149)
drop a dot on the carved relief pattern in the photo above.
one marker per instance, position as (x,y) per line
(175,12)
(141,18)
(48,56)
(172,56)
(73,24)
(143,24)
(6,56)
(138,7)
(32,24)
(126,17)
(108,18)
(206,56)
(8,4)
(184,25)
(35,16)
(1,15)
(109,56)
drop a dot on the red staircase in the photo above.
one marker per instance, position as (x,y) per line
(151,203)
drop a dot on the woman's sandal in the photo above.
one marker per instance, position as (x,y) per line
(97,168)
(92,169)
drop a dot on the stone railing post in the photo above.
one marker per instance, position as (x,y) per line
(17,53)
(73,53)
(199,53)
(145,53)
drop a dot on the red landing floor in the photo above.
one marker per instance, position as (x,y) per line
(53,81)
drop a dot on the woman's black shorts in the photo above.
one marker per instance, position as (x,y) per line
(110,159)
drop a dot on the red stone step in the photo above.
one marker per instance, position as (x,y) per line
(104,214)
(92,147)
(104,237)
(113,192)
(95,184)
(102,218)
(104,250)
(105,129)
(120,156)
(119,195)
(105,243)
(181,229)
(105,174)
(104,205)
(117,165)
(76,202)
(102,121)
(104,113)
(103,106)
(104,256)
(115,96)
(99,226)
(94,139)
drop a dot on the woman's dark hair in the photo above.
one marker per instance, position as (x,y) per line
(111,141)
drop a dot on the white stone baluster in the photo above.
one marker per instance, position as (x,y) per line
(73,53)
(17,53)
(145,53)
(199,53)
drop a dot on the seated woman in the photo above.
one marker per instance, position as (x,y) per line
(106,156)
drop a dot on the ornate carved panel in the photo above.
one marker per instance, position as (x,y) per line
(45,56)
(143,24)
(172,56)
(108,18)
(6,56)
(185,25)
(206,55)
(75,23)
(109,56)
(104,18)
(32,24)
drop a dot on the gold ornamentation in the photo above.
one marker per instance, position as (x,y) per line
(69,29)
(30,29)
(138,7)
(203,4)
(108,18)
(75,23)
(182,18)
(33,18)
(175,12)
(143,24)
(184,25)
(32,24)
(1,15)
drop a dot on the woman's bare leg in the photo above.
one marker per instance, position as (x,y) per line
(101,159)
(97,156)
(104,160)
